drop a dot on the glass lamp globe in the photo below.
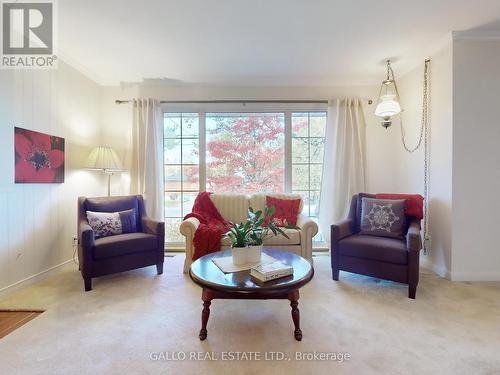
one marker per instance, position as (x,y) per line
(388,102)
(388,106)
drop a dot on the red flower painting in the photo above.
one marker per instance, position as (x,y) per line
(39,157)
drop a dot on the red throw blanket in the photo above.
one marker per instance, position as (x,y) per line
(207,237)
(414,203)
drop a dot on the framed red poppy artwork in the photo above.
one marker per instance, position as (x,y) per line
(39,157)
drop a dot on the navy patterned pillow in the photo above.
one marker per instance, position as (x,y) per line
(383,217)
(106,224)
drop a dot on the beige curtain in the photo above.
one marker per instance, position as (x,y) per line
(146,175)
(344,165)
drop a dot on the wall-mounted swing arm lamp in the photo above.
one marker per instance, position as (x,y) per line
(388,98)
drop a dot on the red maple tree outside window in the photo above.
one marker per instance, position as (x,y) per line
(245,152)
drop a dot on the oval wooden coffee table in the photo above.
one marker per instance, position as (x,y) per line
(239,285)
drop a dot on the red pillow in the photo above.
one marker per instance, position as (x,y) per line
(286,209)
(414,205)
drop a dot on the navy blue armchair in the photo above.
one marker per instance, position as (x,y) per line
(123,252)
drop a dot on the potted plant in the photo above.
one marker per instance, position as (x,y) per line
(262,227)
(239,235)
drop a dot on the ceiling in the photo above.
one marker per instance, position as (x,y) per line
(259,42)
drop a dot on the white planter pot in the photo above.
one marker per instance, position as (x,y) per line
(254,253)
(239,255)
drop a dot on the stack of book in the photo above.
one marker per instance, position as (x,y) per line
(271,271)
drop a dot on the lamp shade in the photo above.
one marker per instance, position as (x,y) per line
(387,106)
(104,158)
(388,98)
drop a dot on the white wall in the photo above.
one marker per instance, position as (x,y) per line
(464,154)
(410,170)
(476,159)
(38,221)
(116,119)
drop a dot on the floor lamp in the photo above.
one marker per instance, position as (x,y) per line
(106,160)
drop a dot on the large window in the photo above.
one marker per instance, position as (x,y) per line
(243,152)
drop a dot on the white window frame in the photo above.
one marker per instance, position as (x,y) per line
(202,109)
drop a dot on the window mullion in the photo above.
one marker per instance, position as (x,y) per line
(182,162)
(202,151)
(288,151)
(309,161)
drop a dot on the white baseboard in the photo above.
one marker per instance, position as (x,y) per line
(475,276)
(458,276)
(32,279)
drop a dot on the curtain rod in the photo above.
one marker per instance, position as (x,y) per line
(117,101)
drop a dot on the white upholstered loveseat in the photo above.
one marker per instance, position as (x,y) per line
(234,207)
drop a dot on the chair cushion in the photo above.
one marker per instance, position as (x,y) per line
(115,204)
(383,217)
(294,239)
(384,249)
(414,203)
(359,198)
(123,244)
(258,201)
(232,207)
(286,210)
(106,224)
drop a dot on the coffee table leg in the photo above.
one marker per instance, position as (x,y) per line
(294,303)
(207,297)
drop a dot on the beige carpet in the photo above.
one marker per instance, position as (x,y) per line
(451,328)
